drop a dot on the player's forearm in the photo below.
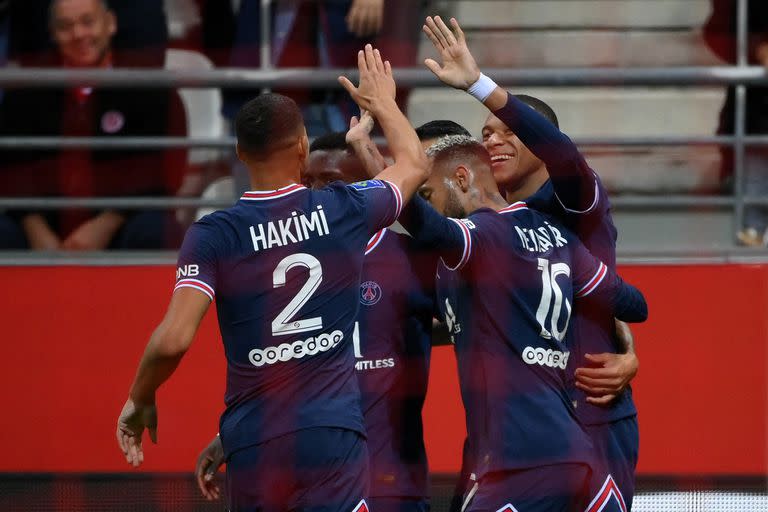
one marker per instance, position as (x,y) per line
(629,304)
(401,138)
(625,337)
(369,155)
(430,229)
(572,178)
(162,356)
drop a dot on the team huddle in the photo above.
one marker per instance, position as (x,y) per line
(328,276)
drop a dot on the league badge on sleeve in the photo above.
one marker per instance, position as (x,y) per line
(368,184)
(370,293)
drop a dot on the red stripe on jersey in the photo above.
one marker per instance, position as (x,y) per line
(514,207)
(196,283)
(594,282)
(398,198)
(604,495)
(374,241)
(467,245)
(273,194)
(361,507)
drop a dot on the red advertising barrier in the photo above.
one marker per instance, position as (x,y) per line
(72,337)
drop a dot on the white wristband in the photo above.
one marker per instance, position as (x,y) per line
(483,88)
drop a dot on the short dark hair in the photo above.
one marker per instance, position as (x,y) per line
(333,141)
(540,107)
(266,123)
(440,128)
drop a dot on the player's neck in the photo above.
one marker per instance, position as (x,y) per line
(487,197)
(274,174)
(529,186)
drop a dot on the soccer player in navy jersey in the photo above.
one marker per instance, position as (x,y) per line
(535,162)
(392,348)
(512,275)
(284,265)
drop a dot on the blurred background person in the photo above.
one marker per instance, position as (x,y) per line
(83,32)
(140,39)
(720,36)
(323,34)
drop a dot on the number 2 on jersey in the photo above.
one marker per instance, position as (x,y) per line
(282,325)
(552,300)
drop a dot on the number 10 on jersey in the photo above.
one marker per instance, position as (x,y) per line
(552,301)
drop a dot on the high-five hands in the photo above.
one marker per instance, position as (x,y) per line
(360,129)
(458,69)
(377,85)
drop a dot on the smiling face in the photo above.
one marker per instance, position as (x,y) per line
(512,163)
(82,30)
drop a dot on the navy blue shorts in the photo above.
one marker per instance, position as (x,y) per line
(317,470)
(388,504)
(556,488)
(612,485)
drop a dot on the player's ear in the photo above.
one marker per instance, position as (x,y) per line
(463,177)
(240,154)
(303,146)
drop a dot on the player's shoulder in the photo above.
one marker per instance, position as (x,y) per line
(216,227)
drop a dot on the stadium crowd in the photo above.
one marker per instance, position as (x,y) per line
(306,33)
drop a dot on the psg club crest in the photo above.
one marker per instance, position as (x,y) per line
(370,293)
(112,121)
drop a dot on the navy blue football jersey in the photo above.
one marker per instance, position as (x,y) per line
(284,268)
(594,330)
(507,293)
(575,184)
(392,341)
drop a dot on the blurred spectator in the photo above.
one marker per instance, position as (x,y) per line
(83,31)
(140,40)
(720,35)
(325,34)
(328,34)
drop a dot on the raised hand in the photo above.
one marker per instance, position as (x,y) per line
(458,68)
(133,419)
(360,129)
(377,85)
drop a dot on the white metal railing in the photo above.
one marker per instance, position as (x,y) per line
(267,77)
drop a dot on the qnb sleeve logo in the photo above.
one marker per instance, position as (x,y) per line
(296,350)
(546,357)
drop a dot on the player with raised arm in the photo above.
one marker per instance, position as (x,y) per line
(535,162)
(392,350)
(512,276)
(284,266)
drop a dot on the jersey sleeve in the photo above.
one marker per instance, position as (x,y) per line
(451,238)
(197,263)
(576,185)
(381,202)
(594,279)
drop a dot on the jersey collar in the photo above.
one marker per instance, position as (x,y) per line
(520,205)
(263,195)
